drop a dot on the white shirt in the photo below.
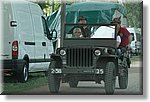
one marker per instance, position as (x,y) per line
(118,39)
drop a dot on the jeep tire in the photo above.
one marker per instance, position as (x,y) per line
(110,78)
(123,79)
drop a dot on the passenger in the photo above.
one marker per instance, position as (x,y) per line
(125,35)
(126,38)
(85,31)
(77,33)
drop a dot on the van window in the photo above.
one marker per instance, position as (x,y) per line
(132,36)
(44,26)
(138,36)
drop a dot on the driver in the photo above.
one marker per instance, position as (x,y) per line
(77,33)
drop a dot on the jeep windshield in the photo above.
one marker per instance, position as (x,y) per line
(89,31)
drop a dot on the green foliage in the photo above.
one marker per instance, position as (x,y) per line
(134,14)
(47,5)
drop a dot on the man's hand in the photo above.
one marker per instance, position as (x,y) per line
(128,46)
(81,36)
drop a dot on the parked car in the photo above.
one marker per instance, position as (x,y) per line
(136,46)
(27,43)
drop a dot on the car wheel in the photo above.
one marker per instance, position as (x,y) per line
(24,73)
(53,79)
(110,78)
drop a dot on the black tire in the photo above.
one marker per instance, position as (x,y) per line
(23,74)
(123,79)
(110,78)
(53,79)
(73,83)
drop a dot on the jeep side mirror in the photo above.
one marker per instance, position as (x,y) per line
(46,30)
(49,35)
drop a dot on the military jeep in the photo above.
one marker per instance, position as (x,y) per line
(87,58)
(91,58)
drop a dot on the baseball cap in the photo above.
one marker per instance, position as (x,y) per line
(116,20)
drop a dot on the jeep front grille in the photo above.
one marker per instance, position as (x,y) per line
(79,57)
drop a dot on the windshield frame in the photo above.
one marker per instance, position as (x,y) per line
(65,38)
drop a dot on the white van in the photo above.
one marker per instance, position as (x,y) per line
(136,41)
(27,43)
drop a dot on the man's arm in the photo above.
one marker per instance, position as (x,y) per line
(130,38)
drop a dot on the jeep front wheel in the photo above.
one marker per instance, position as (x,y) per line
(110,78)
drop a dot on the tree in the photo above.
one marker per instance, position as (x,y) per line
(134,14)
(47,5)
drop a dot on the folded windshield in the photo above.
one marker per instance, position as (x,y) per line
(90,31)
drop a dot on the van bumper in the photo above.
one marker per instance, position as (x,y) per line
(11,66)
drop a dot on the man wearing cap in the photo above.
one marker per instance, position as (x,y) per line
(125,35)
(85,31)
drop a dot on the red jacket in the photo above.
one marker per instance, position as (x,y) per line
(124,34)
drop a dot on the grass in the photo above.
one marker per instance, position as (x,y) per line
(13,87)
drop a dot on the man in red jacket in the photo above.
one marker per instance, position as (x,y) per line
(126,38)
(125,35)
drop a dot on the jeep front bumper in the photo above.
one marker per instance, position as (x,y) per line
(77,71)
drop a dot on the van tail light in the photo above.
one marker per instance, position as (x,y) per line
(15,50)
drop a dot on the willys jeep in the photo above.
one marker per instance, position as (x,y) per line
(91,58)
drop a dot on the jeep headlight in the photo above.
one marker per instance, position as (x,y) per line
(62,52)
(97,52)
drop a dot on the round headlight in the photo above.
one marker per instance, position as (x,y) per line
(97,52)
(62,52)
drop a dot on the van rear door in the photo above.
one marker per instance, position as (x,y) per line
(24,30)
(8,29)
